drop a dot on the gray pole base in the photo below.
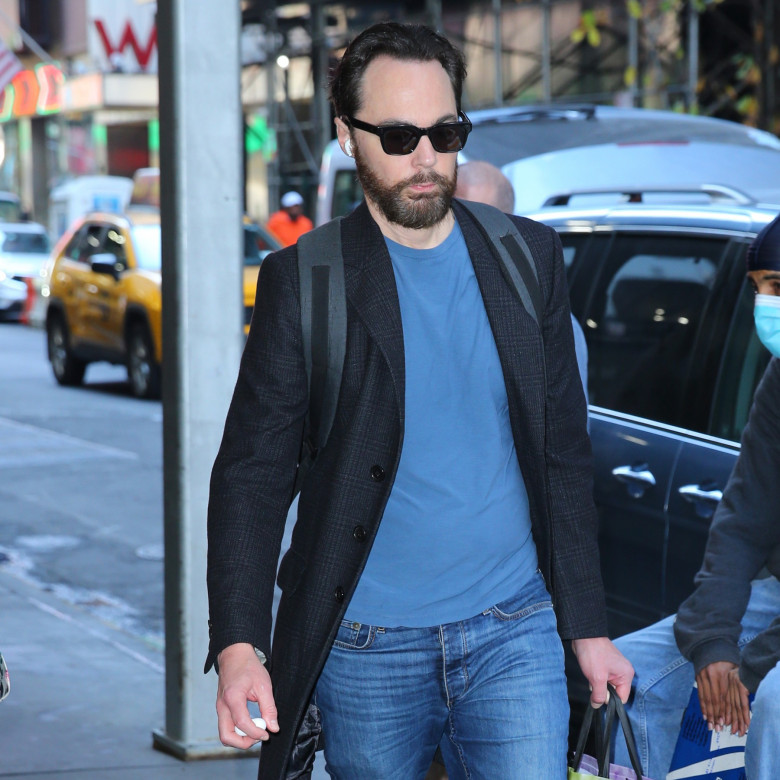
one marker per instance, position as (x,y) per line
(198,751)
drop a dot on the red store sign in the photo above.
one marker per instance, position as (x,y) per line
(33,92)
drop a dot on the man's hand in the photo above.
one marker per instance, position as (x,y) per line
(713,685)
(601,662)
(738,706)
(243,678)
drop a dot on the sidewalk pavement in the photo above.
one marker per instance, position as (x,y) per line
(85,698)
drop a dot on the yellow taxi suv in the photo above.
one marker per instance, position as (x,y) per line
(105,299)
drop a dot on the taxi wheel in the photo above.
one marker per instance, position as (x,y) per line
(142,369)
(68,369)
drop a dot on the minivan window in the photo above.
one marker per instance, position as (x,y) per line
(642,319)
(24,242)
(10,210)
(744,361)
(573,244)
(347,192)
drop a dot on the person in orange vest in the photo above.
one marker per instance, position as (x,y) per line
(289,223)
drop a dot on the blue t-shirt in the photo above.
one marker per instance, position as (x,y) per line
(455,537)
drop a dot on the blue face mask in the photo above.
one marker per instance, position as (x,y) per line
(767,316)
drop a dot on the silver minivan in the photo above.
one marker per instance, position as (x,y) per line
(549,150)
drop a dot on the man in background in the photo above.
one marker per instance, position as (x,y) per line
(289,223)
(483,182)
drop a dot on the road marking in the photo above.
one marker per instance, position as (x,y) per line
(97,634)
(29,445)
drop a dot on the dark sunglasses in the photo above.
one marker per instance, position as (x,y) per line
(403,139)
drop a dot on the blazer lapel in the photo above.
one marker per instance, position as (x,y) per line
(518,339)
(371,290)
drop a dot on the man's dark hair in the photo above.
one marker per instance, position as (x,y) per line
(410,42)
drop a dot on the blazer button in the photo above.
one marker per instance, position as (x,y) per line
(338,594)
(359,533)
(377,473)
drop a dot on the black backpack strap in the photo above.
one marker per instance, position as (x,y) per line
(516,258)
(324,332)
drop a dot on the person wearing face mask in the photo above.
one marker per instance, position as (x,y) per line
(726,634)
(763,261)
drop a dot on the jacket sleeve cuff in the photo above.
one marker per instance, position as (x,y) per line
(713,651)
(219,641)
(749,678)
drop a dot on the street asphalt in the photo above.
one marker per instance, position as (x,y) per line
(86,661)
(87,670)
(86,696)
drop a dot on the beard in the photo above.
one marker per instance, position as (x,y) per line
(414,211)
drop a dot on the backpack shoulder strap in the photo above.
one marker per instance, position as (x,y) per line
(517,261)
(323,328)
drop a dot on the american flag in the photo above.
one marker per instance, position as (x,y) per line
(9,66)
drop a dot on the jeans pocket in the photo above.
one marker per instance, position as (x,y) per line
(531,600)
(518,614)
(354,636)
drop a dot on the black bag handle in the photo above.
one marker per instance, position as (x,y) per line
(603,730)
(618,707)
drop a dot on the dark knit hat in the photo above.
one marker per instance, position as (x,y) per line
(764,253)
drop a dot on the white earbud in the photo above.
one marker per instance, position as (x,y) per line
(348,147)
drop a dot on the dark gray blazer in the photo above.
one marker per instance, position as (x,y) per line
(345,493)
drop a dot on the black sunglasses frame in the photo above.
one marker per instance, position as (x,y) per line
(462,129)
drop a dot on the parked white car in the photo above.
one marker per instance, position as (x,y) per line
(742,174)
(13,294)
(24,249)
(24,255)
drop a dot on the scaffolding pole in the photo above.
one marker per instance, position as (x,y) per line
(498,94)
(693,58)
(547,51)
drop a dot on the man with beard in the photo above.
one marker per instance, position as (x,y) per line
(445,543)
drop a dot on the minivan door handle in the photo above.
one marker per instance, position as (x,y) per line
(636,478)
(705,499)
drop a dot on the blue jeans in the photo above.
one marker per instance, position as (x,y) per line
(490,691)
(663,683)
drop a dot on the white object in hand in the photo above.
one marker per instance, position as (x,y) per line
(259,722)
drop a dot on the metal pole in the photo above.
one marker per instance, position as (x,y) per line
(202,258)
(693,56)
(433,12)
(547,51)
(769,78)
(273,167)
(498,95)
(319,56)
(295,126)
(633,56)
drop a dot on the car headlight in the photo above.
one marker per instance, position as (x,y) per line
(3,275)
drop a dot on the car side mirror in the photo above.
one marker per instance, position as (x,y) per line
(106,263)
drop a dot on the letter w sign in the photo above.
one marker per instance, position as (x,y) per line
(115,50)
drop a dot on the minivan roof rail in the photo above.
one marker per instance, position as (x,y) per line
(563,112)
(716,192)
